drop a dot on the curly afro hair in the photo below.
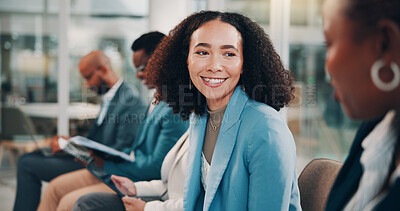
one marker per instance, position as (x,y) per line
(264,78)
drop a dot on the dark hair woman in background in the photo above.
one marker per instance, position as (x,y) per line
(363,57)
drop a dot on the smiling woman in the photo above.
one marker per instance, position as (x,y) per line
(263,77)
(215,61)
(223,68)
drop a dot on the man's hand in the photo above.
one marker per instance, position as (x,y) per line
(124,185)
(55,147)
(83,163)
(97,160)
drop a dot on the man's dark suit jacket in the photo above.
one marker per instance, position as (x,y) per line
(121,122)
(348,179)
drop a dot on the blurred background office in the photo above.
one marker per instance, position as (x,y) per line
(42,41)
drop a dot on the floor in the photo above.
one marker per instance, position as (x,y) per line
(7,185)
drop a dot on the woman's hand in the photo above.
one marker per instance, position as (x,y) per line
(124,185)
(133,204)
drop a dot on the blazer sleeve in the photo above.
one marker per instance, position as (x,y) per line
(170,204)
(148,166)
(151,188)
(271,159)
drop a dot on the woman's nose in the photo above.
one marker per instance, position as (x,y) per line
(215,64)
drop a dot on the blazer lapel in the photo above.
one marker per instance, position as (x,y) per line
(173,156)
(225,144)
(192,180)
(182,149)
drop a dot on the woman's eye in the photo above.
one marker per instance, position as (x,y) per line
(201,52)
(230,54)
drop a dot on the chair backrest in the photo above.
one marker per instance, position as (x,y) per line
(315,183)
(15,122)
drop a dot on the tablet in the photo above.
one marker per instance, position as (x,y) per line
(102,176)
(106,179)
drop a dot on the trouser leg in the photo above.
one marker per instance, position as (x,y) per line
(32,169)
(68,201)
(64,184)
(99,202)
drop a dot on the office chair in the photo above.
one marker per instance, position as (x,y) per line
(315,183)
(14,124)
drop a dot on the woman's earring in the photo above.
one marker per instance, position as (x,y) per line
(190,84)
(385,86)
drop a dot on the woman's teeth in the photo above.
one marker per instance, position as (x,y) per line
(214,80)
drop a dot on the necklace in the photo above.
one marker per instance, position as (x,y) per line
(216,115)
(214,127)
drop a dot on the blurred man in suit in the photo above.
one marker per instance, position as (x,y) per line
(157,135)
(116,126)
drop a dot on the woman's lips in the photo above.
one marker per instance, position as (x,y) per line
(213,82)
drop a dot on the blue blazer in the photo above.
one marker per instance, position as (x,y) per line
(254,162)
(349,177)
(157,135)
(122,120)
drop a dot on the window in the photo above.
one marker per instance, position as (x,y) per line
(29,48)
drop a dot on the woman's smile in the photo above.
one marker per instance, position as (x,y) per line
(213,82)
(215,61)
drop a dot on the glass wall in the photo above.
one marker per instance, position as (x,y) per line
(29,50)
(28,55)
(319,126)
(110,26)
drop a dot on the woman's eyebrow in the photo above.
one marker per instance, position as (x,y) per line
(228,47)
(203,44)
(222,47)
